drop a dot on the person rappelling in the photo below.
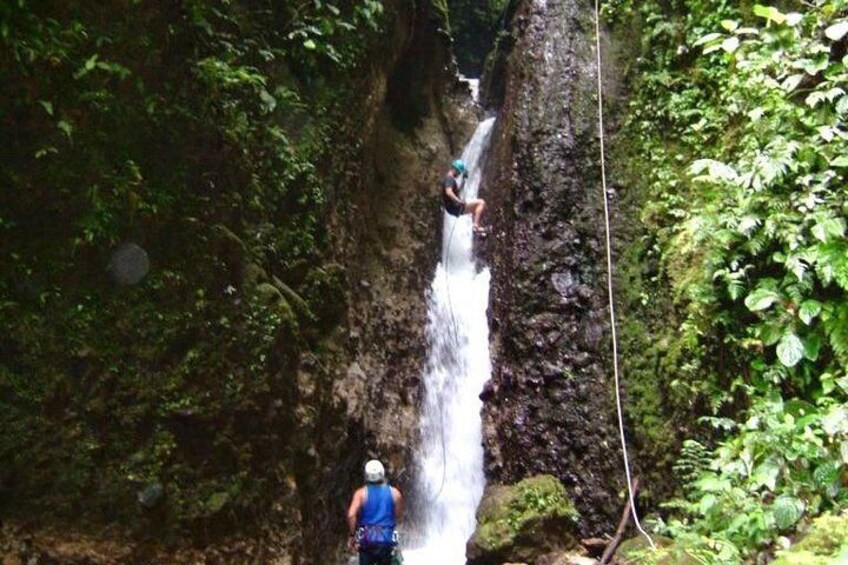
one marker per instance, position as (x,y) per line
(374,512)
(452,185)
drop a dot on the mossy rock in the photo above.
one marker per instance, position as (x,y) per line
(271,296)
(825,543)
(521,522)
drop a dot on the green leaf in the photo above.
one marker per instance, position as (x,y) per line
(826,474)
(835,421)
(66,128)
(765,474)
(787,511)
(842,160)
(837,30)
(812,345)
(711,483)
(730,44)
(829,228)
(790,350)
(707,503)
(791,82)
(716,170)
(809,310)
(794,18)
(48,106)
(760,299)
(310,44)
(217,501)
(710,37)
(770,13)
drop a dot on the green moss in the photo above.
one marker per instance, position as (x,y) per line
(826,542)
(510,511)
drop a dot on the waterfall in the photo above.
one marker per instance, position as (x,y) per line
(450,457)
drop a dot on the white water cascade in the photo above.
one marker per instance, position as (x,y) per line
(450,457)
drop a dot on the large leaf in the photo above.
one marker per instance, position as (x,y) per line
(787,511)
(829,228)
(790,350)
(760,299)
(765,474)
(837,30)
(826,473)
(730,44)
(770,13)
(809,310)
(812,345)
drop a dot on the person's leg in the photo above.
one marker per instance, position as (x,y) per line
(365,556)
(475,207)
(385,555)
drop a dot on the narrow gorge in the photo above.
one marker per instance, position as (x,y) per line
(227,279)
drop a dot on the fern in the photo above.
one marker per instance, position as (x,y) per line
(694,460)
(835,319)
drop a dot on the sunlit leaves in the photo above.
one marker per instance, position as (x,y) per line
(836,31)
(790,350)
(787,511)
(760,299)
(809,310)
(763,208)
(770,13)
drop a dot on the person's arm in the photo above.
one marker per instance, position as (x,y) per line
(353,517)
(397,498)
(449,190)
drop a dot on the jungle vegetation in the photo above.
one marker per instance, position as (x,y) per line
(199,141)
(736,143)
(206,133)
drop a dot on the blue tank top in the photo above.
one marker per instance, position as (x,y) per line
(377,520)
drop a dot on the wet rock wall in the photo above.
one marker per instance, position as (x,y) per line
(360,398)
(549,407)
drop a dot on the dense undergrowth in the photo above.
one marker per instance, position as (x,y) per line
(737,287)
(206,134)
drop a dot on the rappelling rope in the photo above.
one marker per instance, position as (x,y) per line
(455,326)
(609,279)
(455,329)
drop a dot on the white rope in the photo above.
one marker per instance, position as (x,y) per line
(609,280)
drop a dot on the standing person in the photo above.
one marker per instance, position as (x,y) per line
(452,185)
(374,511)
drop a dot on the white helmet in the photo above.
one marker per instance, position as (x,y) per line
(374,472)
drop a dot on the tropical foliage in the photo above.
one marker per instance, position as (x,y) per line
(738,121)
(192,129)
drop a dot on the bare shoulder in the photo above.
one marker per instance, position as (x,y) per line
(396,492)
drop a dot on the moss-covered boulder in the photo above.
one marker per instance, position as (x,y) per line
(519,523)
(824,544)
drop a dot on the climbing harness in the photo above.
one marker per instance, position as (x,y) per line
(364,532)
(609,280)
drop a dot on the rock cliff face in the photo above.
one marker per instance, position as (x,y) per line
(361,400)
(550,406)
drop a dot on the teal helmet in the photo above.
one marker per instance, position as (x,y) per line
(459,165)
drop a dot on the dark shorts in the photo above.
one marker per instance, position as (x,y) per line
(454,208)
(375,554)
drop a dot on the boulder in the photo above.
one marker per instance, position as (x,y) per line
(520,523)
